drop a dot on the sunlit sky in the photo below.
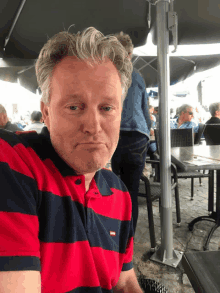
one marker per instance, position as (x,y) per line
(149,49)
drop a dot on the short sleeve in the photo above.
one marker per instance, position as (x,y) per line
(128,263)
(19,225)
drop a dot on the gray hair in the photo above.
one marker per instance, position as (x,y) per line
(2,109)
(126,42)
(85,45)
(183,108)
(213,108)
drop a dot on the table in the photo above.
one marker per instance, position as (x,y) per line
(181,156)
(203,270)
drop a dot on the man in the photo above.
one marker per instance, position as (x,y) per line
(156,114)
(129,158)
(185,113)
(214,109)
(5,123)
(36,122)
(62,215)
(152,117)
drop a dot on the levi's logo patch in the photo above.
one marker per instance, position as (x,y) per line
(112,233)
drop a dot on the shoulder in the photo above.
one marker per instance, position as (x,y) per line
(20,140)
(113,180)
(173,123)
(12,127)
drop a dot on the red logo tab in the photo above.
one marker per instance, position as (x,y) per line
(112,233)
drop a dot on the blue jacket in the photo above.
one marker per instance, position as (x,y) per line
(135,113)
(187,124)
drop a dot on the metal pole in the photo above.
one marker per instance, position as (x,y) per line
(165,253)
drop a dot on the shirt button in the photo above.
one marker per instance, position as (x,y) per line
(78,181)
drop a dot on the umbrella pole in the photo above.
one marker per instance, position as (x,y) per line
(165,254)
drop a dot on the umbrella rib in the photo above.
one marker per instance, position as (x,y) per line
(23,70)
(14,23)
(148,64)
(187,60)
(135,60)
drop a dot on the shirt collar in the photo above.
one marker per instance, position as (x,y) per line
(66,170)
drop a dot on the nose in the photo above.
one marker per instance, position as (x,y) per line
(91,122)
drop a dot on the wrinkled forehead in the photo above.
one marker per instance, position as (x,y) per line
(73,64)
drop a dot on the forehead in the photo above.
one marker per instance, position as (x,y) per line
(73,69)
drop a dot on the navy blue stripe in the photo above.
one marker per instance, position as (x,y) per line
(18,192)
(111,179)
(61,219)
(104,225)
(127,266)
(20,263)
(14,139)
(90,290)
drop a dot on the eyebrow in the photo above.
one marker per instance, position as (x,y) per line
(80,96)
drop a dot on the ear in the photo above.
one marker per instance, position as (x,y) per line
(45,114)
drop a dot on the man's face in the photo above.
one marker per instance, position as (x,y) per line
(151,110)
(84,113)
(217,113)
(188,115)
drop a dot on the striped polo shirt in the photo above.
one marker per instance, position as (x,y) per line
(80,241)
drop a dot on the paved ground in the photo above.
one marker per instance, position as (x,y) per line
(175,280)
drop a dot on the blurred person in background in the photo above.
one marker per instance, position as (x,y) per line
(156,115)
(214,109)
(5,123)
(129,157)
(36,122)
(152,117)
(184,119)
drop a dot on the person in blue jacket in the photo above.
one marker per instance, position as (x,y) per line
(129,158)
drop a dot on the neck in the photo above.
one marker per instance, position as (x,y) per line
(88,180)
(180,121)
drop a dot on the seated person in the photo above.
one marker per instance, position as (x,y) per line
(5,123)
(214,109)
(66,222)
(184,119)
(36,122)
(152,117)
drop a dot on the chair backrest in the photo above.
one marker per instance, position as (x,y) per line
(212,134)
(199,134)
(180,137)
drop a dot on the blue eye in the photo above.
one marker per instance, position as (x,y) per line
(72,107)
(107,109)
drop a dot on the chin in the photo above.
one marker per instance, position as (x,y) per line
(90,166)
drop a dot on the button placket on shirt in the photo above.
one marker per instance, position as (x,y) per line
(90,195)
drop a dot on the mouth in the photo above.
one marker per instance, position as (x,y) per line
(90,145)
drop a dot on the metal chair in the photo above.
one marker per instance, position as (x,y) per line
(199,134)
(152,191)
(151,286)
(180,138)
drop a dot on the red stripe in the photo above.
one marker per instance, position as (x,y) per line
(49,178)
(68,266)
(19,235)
(10,156)
(117,206)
